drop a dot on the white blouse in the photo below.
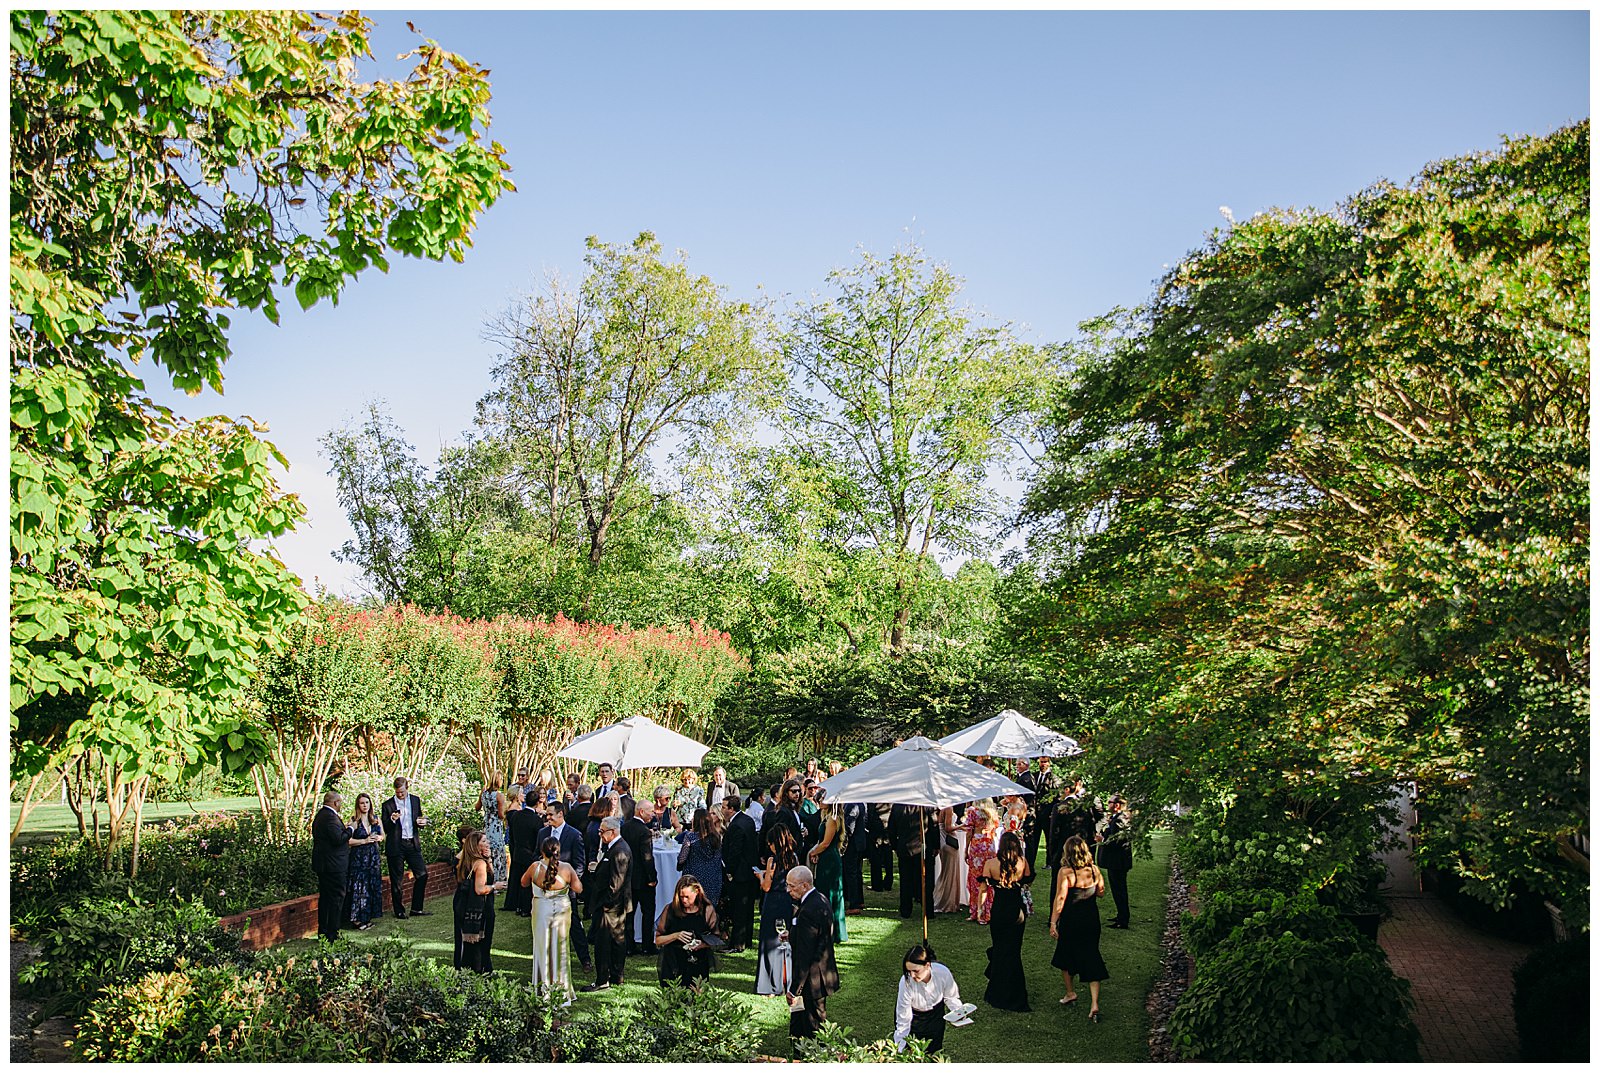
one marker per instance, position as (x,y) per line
(915,995)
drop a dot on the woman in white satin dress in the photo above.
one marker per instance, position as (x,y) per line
(549,879)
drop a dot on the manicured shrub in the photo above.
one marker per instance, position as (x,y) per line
(104,941)
(705,1026)
(1289,999)
(835,1043)
(1551,1002)
(1260,914)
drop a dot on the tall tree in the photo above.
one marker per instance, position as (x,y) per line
(182,164)
(644,352)
(1341,469)
(906,403)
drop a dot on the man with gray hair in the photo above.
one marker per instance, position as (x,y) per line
(613,901)
(330,859)
(816,976)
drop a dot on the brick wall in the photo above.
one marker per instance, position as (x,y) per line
(297,919)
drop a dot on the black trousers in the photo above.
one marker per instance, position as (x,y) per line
(331,891)
(1117,882)
(742,911)
(610,945)
(913,877)
(1031,839)
(882,857)
(644,905)
(580,938)
(854,892)
(409,856)
(803,1024)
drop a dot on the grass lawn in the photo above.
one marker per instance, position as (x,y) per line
(49,822)
(869,966)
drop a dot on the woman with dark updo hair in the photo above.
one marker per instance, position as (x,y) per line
(1008,873)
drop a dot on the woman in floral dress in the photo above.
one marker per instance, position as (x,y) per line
(983,826)
(366,865)
(687,798)
(493,803)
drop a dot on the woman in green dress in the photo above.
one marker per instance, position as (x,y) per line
(829,866)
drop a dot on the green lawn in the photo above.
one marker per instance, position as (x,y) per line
(49,822)
(869,964)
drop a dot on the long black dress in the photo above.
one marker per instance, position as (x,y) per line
(1078,945)
(474,956)
(1008,984)
(676,964)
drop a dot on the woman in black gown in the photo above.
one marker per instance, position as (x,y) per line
(774,971)
(1075,923)
(681,935)
(1009,874)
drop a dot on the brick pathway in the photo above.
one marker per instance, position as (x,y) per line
(1460,978)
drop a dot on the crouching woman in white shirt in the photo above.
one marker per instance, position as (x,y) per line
(927,990)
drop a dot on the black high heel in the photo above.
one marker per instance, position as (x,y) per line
(1094,1016)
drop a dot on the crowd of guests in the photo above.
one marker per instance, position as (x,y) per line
(578,860)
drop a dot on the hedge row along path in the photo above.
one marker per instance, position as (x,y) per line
(1460,978)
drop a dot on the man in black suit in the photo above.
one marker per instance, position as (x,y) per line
(402,844)
(330,859)
(916,844)
(570,836)
(523,824)
(855,849)
(1116,857)
(606,784)
(625,797)
(612,881)
(1045,785)
(816,976)
(578,813)
(881,845)
(637,834)
(740,854)
(570,797)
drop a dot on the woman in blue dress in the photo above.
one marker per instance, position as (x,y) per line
(701,855)
(493,803)
(366,865)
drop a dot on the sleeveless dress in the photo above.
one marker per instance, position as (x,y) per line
(980,849)
(677,965)
(1078,948)
(705,864)
(1008,984)
(552,928)
(830,881)
(366,877)
(494,832)
(952,880)
(775,964)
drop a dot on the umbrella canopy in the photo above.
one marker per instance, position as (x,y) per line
(919,772)
(638,741)
(1012,735)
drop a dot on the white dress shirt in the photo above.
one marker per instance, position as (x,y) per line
(755,810)
(916,995)
(407,827)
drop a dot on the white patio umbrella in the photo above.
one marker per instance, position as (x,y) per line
(636,742)
(1011,735)
(918,772)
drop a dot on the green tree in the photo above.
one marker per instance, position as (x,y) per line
(1331,491)
(905,404)
(182,164)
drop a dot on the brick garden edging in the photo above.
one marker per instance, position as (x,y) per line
(297,918)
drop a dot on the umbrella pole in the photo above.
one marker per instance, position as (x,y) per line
(924,892)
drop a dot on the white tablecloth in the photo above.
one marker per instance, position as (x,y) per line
(667,873)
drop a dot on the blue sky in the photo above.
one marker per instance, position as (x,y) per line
(1056,160)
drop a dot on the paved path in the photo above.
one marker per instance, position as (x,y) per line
(1460,978)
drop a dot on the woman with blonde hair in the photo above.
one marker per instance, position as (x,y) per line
(983,831)
(1075,923)
(687,797)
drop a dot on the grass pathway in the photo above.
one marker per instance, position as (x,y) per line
(869,966)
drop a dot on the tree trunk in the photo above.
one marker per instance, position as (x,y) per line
(27,805)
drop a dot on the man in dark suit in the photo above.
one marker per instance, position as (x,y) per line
(570,797)
(637,834)
(625,797)
(570,836)
(1074,814)
(881,847)
(1045,786)
(916,844)
(740,854)
(523,823)
(402,844)
(855,849)
(578,814)
(606,785)
(330,859)
(612,880)
(1116,857)
(816,976)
